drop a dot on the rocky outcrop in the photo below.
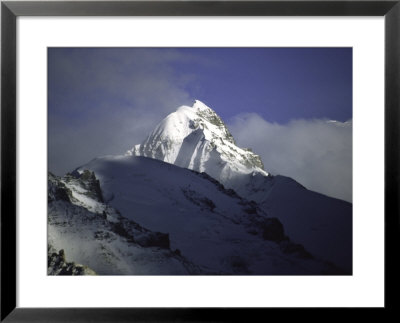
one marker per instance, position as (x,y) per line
(58,265)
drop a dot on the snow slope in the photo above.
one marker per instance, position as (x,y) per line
(323,225)
(210,226)
(196,138)
(87,231)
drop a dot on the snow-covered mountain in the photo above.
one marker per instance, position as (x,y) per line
(213,228)
(196,138)
(189,201)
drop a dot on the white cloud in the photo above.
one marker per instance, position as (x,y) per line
(316,153)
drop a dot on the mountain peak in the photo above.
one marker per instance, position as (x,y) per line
(197,138)
(200,105)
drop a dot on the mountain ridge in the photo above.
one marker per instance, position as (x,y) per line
(213,227)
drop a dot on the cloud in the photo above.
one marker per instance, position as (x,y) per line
(104,101)
(316,153)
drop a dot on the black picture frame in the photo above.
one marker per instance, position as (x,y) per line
(10,10)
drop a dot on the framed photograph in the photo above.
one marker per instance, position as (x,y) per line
(195,160)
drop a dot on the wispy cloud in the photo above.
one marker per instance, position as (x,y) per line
(317,153)
(105,101)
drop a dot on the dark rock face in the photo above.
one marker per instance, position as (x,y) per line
(209,178)
(214,119)
(154,239)
(57,265)
(120,229)
(143,237)
(272,229)
(250,207)
(198,199)
(92,184)
(289,247)
(61,193)
(57,190)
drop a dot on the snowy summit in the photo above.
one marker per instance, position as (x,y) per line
(196,138)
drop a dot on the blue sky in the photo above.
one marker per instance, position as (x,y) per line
(105,100)
(279,84)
